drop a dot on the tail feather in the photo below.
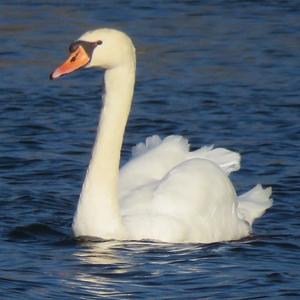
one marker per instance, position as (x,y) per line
(254,203)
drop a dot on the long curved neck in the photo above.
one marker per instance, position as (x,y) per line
(98,211)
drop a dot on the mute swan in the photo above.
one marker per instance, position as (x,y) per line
(165,192)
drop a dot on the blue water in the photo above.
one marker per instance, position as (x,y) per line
(219,72)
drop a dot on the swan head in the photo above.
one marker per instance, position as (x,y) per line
(103,48)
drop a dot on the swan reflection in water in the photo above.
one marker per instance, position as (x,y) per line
(100,266)
(104,264)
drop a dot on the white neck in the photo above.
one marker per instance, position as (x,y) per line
(98,211)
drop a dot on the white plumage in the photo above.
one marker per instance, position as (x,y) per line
(165,192)
(168,193)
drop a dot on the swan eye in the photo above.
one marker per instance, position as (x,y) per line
(99,42)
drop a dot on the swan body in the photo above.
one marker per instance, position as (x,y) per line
(165,192)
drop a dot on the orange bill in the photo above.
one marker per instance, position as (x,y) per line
(76,60)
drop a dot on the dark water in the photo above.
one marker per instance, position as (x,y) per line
(218,72)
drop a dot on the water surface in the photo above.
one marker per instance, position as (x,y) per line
(218,72)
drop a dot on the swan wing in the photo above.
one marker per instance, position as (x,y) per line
(182,206)
(153,159)
(227,160)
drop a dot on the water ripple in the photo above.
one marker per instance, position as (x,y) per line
(219,72)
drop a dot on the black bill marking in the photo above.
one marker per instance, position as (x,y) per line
(87,46)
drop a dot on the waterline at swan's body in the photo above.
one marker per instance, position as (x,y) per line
(165,192)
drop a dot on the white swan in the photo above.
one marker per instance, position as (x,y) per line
(165,192)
